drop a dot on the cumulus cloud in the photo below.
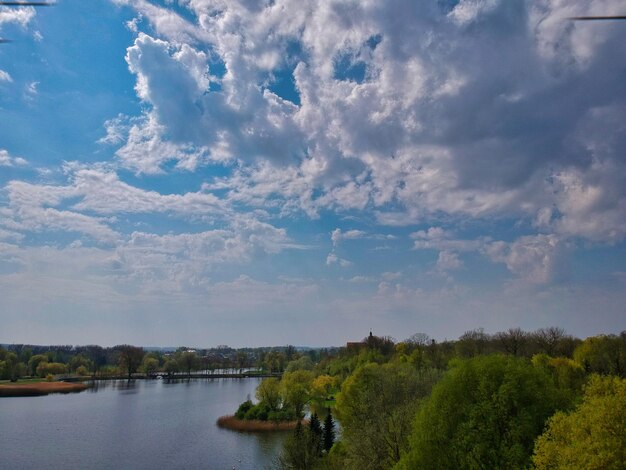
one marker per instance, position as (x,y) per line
(8,160)
(20,16)
(445,126)
(538,259)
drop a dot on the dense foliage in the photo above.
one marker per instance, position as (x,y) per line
(593,436)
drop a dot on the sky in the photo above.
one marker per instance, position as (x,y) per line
(250,172)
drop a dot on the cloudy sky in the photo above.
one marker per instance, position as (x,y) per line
(255,172)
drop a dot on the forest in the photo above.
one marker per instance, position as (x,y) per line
(511,400)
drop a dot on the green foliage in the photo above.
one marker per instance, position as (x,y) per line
(54,368)
(604,354)
(485,413)
(243,409)
(328,436)
(188,361)
(301,450)
(296,389)
(315,428)
(376,406)
(302,363)
(34,362)
(150,364)
(568,376)
(268,392)
(591,437)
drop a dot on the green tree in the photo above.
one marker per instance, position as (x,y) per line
(603,354)
(296,390)
(591,437)
(302,363)
(130,358)
(77,361)
(315,428)
(268,393)
(300,451)
(150,364)
(171,366)
(188,361)
(485,413)
(376,406)
(34,362)
(13,368)
(328,437)
(51,368)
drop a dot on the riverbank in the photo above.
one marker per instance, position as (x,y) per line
(40,388)
(255,425)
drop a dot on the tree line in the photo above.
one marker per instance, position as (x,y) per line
(514,399)
(19,361)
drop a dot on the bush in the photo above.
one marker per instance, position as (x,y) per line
(49,378)
(243,409)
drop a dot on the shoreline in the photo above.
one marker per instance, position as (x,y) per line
(37,389)
(255,425)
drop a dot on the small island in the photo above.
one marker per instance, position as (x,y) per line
(33,389)
(280,403)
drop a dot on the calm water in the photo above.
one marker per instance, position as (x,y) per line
(147,424)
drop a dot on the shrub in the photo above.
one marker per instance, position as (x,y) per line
(243,409)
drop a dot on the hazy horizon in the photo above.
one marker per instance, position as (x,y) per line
(232,172)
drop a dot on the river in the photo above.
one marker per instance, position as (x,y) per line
(144,424)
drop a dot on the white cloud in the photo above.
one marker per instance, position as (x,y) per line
(448,261)
(445,127)
(20,16)
(7,159)
(332,258)
(538,259)
(5,77)
(436,238)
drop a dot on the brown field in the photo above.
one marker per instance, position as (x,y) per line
(39,388)
(230,422)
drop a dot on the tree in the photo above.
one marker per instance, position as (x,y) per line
(593,436)
(296,390)
(328,436)
(51,368)
(34,362)
(130,358)
(302,363)
(321,388)
(299,451)
(472,343)
(316,433)
(548,339)
(376,406)
(603,354)
(13,368)
(513,341)
(188,361)
(150,364)
(485,413)
(268,392)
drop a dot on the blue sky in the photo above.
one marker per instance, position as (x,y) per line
(204,172)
